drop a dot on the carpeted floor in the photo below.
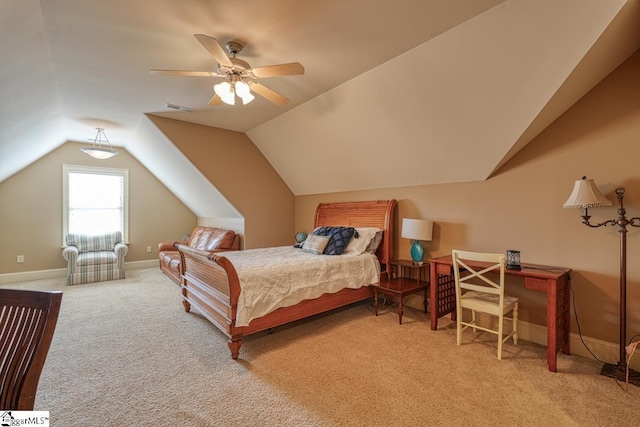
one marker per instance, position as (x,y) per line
(126,353)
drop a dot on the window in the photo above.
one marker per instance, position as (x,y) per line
(95,200)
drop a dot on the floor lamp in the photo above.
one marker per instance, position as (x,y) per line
(586,195)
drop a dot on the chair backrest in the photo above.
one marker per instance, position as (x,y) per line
(471,270)
(94,242)
(27,322)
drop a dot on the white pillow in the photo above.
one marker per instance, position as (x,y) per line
(357,245)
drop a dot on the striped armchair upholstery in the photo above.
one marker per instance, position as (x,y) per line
(94,258)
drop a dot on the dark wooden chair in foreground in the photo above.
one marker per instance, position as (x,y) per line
(27,322)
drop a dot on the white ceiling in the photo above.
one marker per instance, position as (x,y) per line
(416,87)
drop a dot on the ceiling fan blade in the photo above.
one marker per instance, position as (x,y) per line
(184,73)
(292,69)
(214,49)
(267,93)
(215,100)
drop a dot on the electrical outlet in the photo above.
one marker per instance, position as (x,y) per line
(20,259)
(148,249)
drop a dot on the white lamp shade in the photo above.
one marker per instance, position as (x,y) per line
(585,194)
(242,89)
(247,98)
(222,89)
(229,98)
(99,153)
(417,229)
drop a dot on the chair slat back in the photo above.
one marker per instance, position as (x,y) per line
(470,277)
(27,323)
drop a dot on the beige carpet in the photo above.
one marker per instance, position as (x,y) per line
(125,353)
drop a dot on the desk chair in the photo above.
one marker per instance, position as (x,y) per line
(483,293)
(27,322)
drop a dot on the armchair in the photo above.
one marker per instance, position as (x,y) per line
(94,258)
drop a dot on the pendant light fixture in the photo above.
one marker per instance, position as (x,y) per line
(101,147)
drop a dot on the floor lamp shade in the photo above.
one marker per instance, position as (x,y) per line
(417,230)
(585,194)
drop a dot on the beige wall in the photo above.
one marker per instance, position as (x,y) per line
(233,164)
(31,211)
(521,206)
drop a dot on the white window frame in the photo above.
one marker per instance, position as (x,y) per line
(66,169)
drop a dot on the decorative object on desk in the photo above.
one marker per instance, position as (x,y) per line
(513,259)
(586,195)
(301,236)
(417,230)
(101,148)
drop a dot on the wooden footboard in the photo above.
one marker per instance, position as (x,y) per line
(210,282)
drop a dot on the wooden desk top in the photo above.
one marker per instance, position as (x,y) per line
(528,270)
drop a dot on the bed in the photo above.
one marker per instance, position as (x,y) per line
(210,282)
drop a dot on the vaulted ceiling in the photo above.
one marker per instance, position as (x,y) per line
(433,91)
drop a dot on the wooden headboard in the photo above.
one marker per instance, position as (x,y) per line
(376,213)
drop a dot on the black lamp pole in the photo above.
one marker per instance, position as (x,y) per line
(621,370)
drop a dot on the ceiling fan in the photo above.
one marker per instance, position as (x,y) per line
(241,79)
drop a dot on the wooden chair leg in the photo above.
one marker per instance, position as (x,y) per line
(458,326)
(500,336)
(473,320)
(515,324)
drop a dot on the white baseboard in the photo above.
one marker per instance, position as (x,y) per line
(134,265)
(62,272)
(604,350)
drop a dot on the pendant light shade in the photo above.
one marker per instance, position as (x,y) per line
(101,147)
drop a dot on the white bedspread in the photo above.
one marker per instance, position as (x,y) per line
(271,278)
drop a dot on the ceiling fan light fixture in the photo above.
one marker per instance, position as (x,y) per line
(227,91)
(242,89)
(99,149)
(247,98)
(229,98)
(238,73)
(222,89)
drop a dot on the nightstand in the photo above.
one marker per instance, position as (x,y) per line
(405,278)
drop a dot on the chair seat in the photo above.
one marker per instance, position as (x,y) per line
(99,257)
(487,302)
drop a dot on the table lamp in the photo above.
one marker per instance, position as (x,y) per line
(417,230)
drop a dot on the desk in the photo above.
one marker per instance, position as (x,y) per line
(554,281)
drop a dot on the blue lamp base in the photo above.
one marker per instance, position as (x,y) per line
(417,253)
